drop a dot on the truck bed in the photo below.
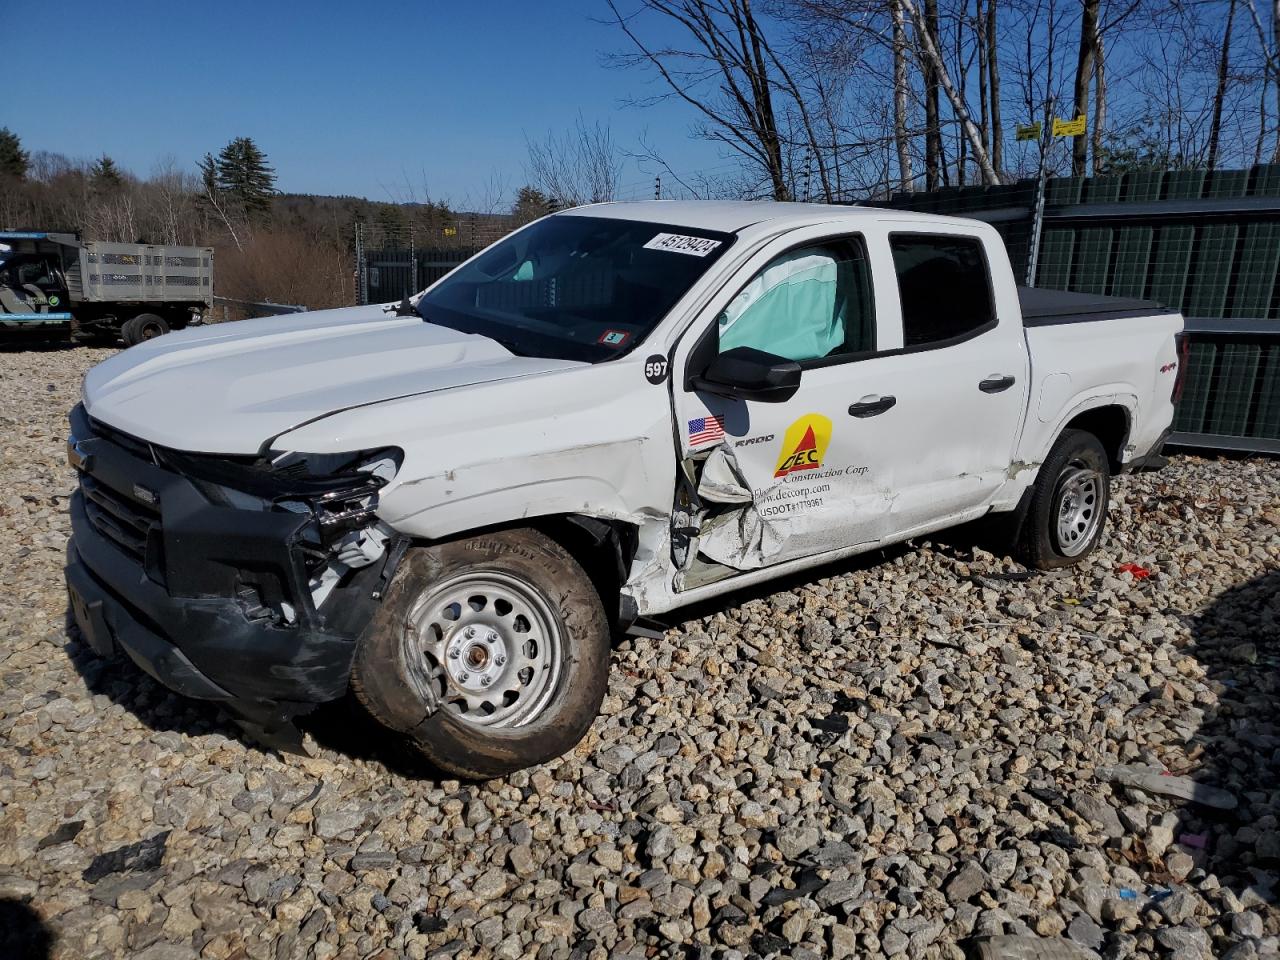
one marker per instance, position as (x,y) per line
(142,273)
(1043,308)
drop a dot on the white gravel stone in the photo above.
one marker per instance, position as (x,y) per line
(719,807)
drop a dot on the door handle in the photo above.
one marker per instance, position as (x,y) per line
(871,407)
(997,383)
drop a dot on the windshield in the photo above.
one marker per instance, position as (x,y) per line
(574,288)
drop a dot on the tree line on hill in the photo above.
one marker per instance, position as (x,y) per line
(286,248)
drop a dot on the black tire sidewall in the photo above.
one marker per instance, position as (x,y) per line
(132,330)
(465,749)
(1040,539)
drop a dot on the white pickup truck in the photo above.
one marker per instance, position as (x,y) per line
(450,505)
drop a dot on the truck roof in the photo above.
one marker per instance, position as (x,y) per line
(731,216)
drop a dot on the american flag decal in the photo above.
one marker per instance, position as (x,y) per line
(706,429)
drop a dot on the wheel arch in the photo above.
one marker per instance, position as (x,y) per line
(1111,424)
(604,548)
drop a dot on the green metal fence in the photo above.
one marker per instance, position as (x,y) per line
(388,274)
(1204,242)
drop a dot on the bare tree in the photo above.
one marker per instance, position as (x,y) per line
(993,75)
(729,74)
(1270,49)
(576,166)
(1084,74)
(900,89)
(927,30)
(1220,93)
(930,51)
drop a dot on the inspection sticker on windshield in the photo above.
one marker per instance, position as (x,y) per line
(677,243)
(614,338)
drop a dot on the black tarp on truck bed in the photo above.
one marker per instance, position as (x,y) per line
(1042,308)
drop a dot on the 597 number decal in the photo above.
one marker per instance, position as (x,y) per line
(655,368)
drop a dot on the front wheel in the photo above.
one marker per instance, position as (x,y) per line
(490,653)
(1068,509)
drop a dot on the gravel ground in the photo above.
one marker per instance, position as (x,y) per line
(889,758)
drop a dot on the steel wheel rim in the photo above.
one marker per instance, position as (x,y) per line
(485,647)
(1079,507)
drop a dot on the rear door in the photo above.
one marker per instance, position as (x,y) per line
(962,375)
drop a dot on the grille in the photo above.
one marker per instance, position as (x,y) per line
(125,522)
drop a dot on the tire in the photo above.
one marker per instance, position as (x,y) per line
(493,716)
(145,326)
(1068,510)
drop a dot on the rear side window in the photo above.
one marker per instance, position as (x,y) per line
(944,286)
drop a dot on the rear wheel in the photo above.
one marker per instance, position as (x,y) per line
(145,326)
(1068,509)
(490,654)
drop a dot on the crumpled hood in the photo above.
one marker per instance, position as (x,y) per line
(229,388)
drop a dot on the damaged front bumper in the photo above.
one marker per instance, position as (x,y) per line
(209,596)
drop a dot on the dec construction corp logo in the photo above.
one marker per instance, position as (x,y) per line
(804,445)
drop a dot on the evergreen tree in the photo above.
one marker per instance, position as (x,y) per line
(105,174)
(391,223)
(208,176)
(531,203)
(13,159)
(242,175)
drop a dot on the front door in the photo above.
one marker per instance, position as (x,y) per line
(764,482)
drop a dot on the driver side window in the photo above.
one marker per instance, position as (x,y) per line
(810,304)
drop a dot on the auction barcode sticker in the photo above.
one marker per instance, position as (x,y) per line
(677,243)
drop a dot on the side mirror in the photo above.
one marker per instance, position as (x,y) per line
(750,374)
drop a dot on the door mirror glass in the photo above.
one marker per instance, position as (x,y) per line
(750,374)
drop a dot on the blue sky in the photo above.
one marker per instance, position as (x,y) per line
(375,99)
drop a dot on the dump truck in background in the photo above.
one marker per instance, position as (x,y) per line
(55,285)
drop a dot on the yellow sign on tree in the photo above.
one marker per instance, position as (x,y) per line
(1069,128)
(1030,132)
